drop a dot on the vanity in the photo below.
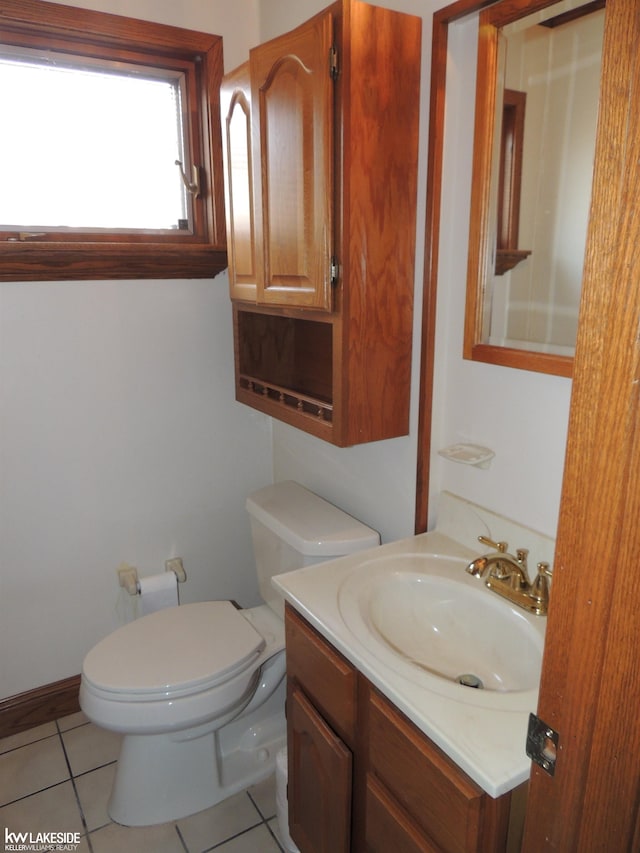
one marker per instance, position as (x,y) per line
(388,749)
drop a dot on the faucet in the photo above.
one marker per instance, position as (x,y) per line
(508,576)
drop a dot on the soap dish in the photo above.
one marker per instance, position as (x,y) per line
(468,454)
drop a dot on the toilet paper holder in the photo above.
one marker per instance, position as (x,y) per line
(128,575)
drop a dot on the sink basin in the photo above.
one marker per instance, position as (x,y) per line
(425,616)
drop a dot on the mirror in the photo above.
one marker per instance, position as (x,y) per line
(537,93)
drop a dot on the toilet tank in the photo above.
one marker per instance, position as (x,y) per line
(291,527)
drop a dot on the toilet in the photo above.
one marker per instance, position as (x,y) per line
(197,691)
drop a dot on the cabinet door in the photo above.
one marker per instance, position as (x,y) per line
(235,108)
(293,157)
(320,781)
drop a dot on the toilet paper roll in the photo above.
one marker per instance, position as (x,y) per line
(158,591)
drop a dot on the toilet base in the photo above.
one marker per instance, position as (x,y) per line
(159,779)
(162,778)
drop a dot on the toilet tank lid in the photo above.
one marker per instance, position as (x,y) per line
(311,525)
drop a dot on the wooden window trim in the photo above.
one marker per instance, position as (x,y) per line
(126,256)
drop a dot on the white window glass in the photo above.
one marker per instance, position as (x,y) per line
(89,147)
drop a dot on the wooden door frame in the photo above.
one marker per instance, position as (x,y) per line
(437,99)
(591,673)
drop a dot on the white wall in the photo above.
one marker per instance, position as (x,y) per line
(521,415)
(120,439)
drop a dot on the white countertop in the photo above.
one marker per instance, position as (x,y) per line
(483,731)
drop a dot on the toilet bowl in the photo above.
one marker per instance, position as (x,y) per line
(167,682)
(197,691)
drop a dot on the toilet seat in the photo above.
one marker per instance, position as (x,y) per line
(176,651)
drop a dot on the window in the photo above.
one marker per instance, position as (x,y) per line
(110,158)
(112,167)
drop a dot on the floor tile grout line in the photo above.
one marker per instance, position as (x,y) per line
(242,832)
(82,817)
(75,790)
(257,807)
(274,836)
(33,793)
(64,752)
(71,728)
(93,769)
(182,841)
(30,743)
(108,822)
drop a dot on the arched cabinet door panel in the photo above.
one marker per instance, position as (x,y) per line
(235,107)
(293,153)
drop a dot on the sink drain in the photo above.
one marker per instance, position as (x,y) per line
(470,680)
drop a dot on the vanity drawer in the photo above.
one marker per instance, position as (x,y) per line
(388,827)
(448,806)
(325,676)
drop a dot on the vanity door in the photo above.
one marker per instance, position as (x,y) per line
(320,764)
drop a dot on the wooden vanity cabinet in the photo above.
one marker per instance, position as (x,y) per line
(334,151)
(362,777)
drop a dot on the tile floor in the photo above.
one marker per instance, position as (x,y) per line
(57,778)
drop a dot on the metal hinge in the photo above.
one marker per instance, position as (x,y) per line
(542,744)
(333,62)
(334,271)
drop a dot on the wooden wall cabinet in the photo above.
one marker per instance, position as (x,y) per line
(362,777)
(321,217)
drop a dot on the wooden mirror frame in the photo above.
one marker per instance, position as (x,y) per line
(482,231)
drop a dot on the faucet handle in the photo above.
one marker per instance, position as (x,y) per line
(499,546)
(540,586)
(545,570)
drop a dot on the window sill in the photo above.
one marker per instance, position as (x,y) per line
(68,262)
